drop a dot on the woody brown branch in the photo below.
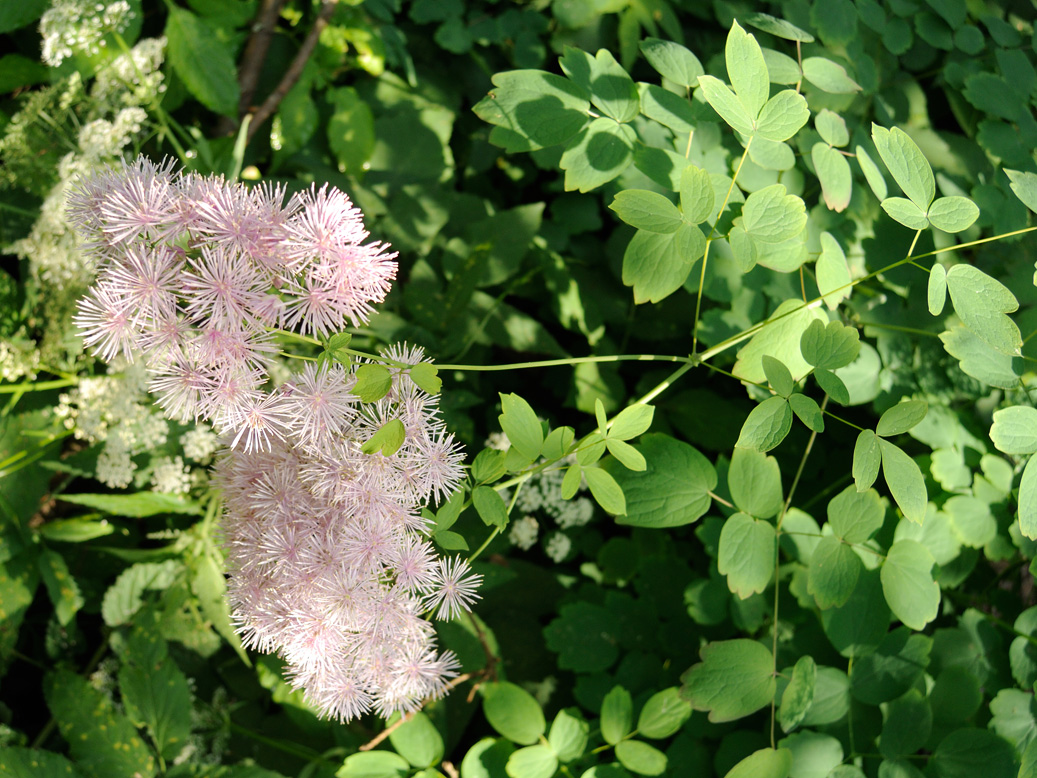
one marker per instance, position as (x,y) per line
(295,69)
(253,59)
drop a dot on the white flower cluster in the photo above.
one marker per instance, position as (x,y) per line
(524,532)
(19,358)
(169,475)
(71,26)
(200,444)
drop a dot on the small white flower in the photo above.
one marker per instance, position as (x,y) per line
(559,546)
(524,532)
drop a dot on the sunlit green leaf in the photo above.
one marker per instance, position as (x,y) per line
(672,61)
(755,482)
(617,715)
(833,171)
(646,210)
(907,583)
(905,481)
(908,165)
(734,678)
(953,214)
(834,569)
(747,555)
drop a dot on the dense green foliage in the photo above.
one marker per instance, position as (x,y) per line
(766,506)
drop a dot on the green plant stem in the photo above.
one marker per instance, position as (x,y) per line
(302,753)
(709,241)
(568,362)
(38,386)
(777,567)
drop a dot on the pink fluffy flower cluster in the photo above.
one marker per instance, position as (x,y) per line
(328,553)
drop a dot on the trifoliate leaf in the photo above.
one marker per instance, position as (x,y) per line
(866,460)
(747,70)
(734,678)
(937,289)
(953,214)
(519,422)
(807,411)
(747,554)
(387,439)
(905,481)
(767,425)
(373,382)
(754,480)
(908,165)
(901,417)
(907,583)
(644,210)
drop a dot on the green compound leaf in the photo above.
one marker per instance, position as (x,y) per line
(771,215)
(490,506)
(649,211)
(829,346)
(833,171)
(606,490)
(598,154)
(155,692)
(777,27)
(103,742)
(697,197)
(908,165)
(771,155)
(747,70)
(970,752)
(972,519)
(937,290)
(641,758)
(832,128)
(767,425)
(905,212)
(350,130)
(754,480)
(908,585)
(513,712)
(617,715)
(374,764)
(18,762)
(829,76)
(569,735)
(202,61)
(866,460)
(979,359)
(833,274)
(674,488)
(783,116)
(657,265)
(982,303)
(901,417)
(663,715)
(807,411)
(856,516)
(387,439)
(610,86)
(872,174)
(671,111)
(1025,187)
(778,376)
(860,625)
(765,763)
(520,423)
(557,444)
(832,385)
(533,109)
(726,104)
(632,421)
(373,382)
(1028,500)
(426,376)
(894,665)
(905,481)
(799,694)
(783,69)
(136,506)
(533,762)
(61,586)
(1014,430)
(953,214)
(734,678)
(629,456)
(833,573)
(813,753)
(585,637)
(123,598)
(672,61)
(747,554)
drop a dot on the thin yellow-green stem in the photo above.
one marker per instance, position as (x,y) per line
(777,567)
(709,241)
